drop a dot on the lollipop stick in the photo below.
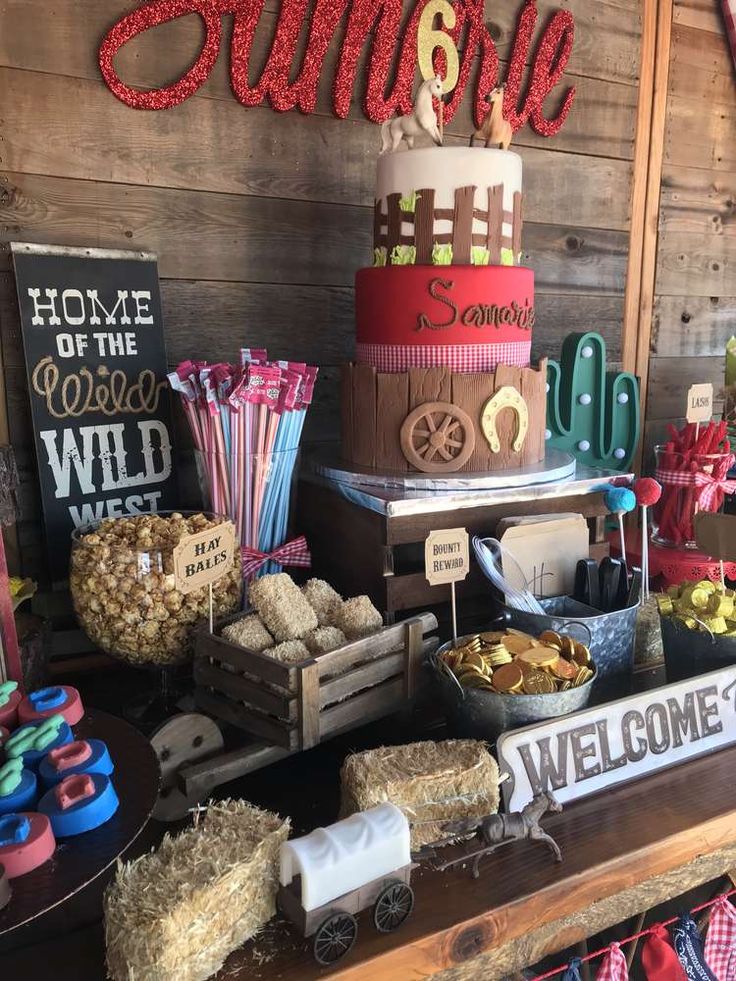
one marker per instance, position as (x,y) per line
(644,555)
(621,535)
(723,574)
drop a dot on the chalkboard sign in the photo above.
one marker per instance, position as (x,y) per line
(100,404)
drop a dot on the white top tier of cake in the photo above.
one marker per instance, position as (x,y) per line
(447,168)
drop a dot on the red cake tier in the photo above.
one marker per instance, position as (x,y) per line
(467,318)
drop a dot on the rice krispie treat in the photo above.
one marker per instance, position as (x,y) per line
(248,632)
(289,652)
(323,599)
(282,607)
(358,617)
(324,639)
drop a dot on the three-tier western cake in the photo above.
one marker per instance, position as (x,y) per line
(442,381)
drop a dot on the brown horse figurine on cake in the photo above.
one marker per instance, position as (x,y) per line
(495,130)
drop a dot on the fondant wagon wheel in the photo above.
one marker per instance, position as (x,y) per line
(334,937)
(437,437)
(182,740)
(393,906)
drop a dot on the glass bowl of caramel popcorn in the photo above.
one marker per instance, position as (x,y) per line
(124,590)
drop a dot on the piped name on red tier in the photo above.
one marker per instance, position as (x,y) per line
(475,315)
(290,80)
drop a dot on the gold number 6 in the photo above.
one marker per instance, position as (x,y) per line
(429,38)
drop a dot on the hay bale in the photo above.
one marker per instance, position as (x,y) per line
(431,782)
(179,911)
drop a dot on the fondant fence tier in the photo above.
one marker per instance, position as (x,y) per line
(375,407)
(388,226)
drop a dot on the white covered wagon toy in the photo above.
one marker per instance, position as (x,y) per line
(333,873)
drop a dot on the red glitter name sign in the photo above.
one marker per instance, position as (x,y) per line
(377,22)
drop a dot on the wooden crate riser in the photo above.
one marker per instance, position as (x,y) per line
(374,406)
(317,698)
(285,707)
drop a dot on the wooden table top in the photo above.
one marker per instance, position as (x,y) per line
(609,842)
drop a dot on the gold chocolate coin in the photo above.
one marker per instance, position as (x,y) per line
(551,639)
(475,681)
(539,657)
(508,678)
(583,675)
(514,643)
(492,636)
(568,647)
(581,654)
(538,683)
(475,659)
(564,670)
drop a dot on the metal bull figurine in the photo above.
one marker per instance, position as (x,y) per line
(496,830)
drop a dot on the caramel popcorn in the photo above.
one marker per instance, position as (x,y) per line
(124,591)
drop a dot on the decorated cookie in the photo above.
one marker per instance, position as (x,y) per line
(35,739)
(26,841)
(4,888)
(17,787)
(79,803)
(83,756)
(58,700)
(10,699)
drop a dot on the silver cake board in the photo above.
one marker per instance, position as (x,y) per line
(557,466)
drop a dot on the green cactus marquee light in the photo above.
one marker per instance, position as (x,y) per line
(592,413)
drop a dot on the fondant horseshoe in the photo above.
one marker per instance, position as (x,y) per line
(505,398)
(437,437)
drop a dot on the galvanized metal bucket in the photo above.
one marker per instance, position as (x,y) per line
(610,637)
(688,653)
(485,715)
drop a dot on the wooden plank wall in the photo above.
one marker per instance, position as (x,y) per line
(260,219)
(695,291)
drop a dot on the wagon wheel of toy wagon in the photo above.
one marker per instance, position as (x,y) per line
(393,906)
(180,741)
(437,437)
(334,937)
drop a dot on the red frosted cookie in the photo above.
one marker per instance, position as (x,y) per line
(26,841)
(58,700)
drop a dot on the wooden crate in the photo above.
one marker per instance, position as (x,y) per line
(295,706)
(386,555)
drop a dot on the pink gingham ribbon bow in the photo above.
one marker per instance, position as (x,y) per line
(293,553)
(708,488)
(614,966)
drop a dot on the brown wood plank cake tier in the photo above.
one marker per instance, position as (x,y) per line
(432,420)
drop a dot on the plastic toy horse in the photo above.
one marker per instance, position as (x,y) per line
(495,130)
(500,829)
(422,119)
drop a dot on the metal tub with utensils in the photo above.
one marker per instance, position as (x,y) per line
(602,613)
(610,637)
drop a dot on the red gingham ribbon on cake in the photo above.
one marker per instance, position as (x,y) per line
(293,553)
(460,358)
(614,966)
(720,941)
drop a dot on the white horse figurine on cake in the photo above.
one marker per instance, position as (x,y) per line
(422,119)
